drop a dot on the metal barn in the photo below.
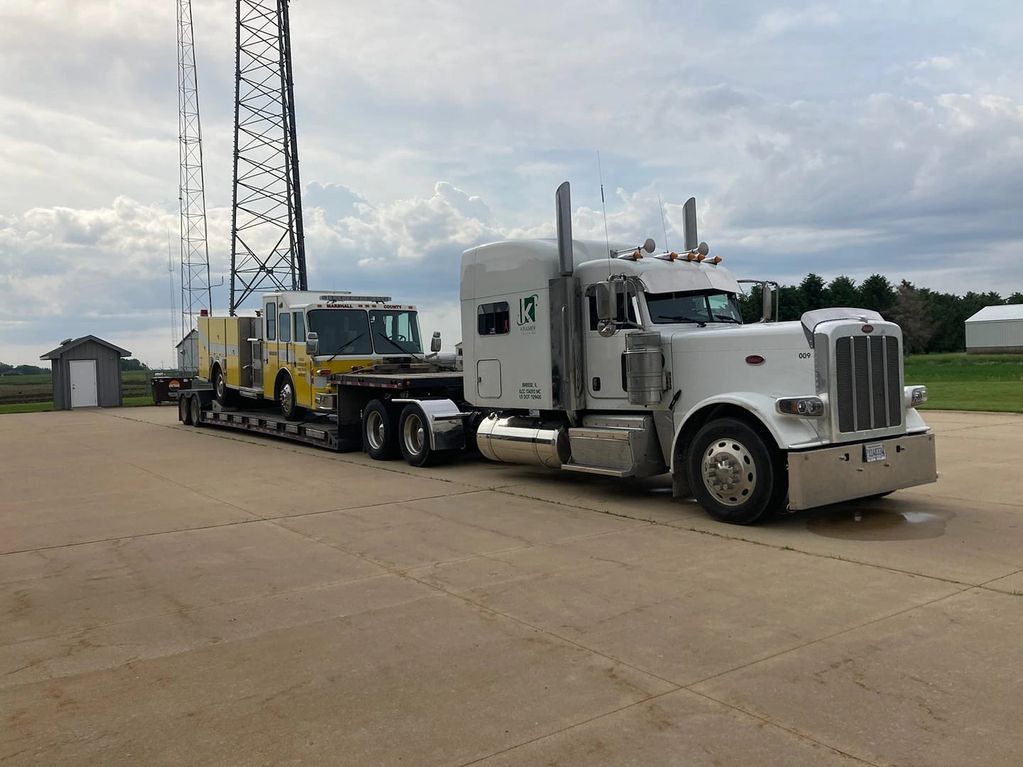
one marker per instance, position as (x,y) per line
(188,352)
(86,373)
(995,329)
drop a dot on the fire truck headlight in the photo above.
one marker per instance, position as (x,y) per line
(915,395)
(808,407)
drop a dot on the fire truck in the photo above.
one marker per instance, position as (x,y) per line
(288,350)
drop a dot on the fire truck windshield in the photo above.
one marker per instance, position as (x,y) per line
(395,331)
(341,331)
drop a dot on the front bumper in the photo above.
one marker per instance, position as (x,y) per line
(834,474)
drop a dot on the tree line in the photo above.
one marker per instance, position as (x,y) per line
(931,321)
(32,370)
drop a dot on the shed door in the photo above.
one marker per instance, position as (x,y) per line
(83,383)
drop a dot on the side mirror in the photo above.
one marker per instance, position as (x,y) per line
(312,343)
(435,342)
(606,303)
(769,294)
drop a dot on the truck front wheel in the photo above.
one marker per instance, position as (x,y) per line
(734,475)
(287,399)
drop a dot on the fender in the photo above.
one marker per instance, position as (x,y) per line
(788,432)
(443,420)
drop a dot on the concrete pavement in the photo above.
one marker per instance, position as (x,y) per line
(174,595)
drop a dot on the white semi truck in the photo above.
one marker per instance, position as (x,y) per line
(619,361)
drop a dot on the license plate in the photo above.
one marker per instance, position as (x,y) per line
(872,453)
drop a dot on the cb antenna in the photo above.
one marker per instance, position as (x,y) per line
(603,209)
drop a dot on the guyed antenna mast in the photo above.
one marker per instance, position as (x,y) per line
(195,254)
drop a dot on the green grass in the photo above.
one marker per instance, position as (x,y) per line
(42,407)
(969,381)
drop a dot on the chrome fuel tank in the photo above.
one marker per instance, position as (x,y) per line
(522,440)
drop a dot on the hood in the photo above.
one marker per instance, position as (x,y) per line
(757,337)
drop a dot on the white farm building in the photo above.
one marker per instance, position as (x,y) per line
(995,329)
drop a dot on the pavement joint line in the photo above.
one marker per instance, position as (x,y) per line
(252,520)
(310,587)
(740,539)
(828,637)
(567,728)
(493,611)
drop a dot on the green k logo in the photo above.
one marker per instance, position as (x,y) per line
(527,310)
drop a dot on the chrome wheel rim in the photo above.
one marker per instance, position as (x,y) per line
(220,385)
(375,433)
(729,472)
(287,398)
(414,434)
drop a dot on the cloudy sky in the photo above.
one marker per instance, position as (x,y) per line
(842,138)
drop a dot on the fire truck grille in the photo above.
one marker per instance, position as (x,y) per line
(869,389)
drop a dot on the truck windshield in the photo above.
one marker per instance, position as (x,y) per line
(341,331)
(395,331)
(705,306)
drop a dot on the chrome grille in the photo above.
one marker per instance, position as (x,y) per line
(868,386)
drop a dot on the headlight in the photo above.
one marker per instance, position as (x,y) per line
(810,407)
(915,395)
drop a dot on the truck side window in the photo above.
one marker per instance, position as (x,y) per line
(271,322)
(299,327)
(285,327)
(493,319)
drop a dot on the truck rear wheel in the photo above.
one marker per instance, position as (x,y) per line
(733,473)
(414,439)
(225,396)
(379,431)
(195,410)
(184,411)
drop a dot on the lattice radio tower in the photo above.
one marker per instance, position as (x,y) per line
(267,242)
(195,255)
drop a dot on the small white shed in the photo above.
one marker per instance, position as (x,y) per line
(995,329)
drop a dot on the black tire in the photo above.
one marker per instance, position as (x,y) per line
(379,431)
(414,437)
(184,411)
(195,411)
(734,473)
(287,399)
(225,396)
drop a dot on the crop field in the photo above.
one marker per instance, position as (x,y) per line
(992,382)
(34,393)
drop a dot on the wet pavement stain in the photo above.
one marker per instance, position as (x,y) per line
(874,524)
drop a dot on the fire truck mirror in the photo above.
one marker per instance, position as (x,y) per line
(312,343)
(435,342)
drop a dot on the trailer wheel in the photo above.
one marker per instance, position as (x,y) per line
(287,399)
(379,431)
(733,473)
(195,411)
(414,439)
(184,411)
